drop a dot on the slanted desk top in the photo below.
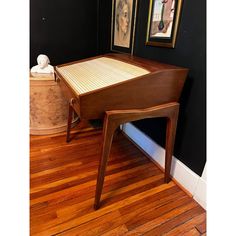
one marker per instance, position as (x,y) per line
(98,73)
(118,81)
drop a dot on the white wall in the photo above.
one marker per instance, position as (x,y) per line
(193,183)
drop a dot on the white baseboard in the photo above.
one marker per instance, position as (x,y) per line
(200,192)
(192,182)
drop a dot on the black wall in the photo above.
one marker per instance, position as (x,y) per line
(190,52)
(63,30)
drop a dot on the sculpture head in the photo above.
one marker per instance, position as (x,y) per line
(42,61)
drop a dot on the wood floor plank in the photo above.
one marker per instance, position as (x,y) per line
(161,219)
(135,200)
(173,222)
(119,231)
(154,213)
(99,225)
(192,232)
(188,225)
(153,201)
(201,227)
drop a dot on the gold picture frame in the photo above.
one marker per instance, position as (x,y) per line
(163,22)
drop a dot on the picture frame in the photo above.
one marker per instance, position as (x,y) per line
(163,22)
(123,25)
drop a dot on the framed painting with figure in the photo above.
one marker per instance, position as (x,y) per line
(163,21)
(123,25)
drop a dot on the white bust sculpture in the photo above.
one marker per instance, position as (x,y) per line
(43,65)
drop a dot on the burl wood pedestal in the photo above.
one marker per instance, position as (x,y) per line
(48,107)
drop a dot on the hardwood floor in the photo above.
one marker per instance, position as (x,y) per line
(135,201)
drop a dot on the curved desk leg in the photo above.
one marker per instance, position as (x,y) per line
(114,118)
(108,130)
(170,141)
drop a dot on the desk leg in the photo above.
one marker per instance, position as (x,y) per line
(114,118)
(70,116)
(108,131)
(170,141)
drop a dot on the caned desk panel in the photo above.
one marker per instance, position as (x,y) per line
(117,81)
(98,73)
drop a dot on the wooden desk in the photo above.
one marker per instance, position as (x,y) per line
(128,89)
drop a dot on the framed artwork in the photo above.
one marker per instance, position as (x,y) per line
(163,21)
(123,25)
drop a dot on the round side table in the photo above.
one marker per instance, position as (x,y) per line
(48,107)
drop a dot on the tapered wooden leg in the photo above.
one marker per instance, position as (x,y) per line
(108,131)
(114,118)
(170,141)
(69,121)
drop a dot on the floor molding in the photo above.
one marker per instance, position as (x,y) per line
(200,192)
(183,176)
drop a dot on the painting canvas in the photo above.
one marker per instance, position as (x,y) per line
(123,25)
(163,22)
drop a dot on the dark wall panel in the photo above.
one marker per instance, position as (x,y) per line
(190,52)
(64,30)
(104,32)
